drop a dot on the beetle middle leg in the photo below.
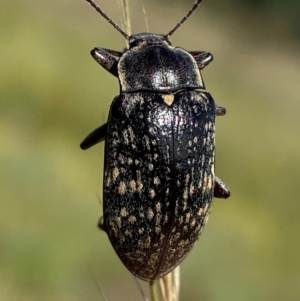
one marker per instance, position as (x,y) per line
(96,136)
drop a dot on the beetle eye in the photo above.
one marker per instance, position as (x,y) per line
(135,43)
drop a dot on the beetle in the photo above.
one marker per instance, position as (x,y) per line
(159,178)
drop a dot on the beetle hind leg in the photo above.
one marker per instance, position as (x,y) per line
(101,224)
(221,191)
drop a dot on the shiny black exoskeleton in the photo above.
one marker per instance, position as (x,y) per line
(159,153)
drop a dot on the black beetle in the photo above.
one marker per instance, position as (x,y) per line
(159,176)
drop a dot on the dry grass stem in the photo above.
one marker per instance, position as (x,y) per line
(169,286)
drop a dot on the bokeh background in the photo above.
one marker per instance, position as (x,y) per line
(53,94)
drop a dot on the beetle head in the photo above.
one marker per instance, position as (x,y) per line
(148,39)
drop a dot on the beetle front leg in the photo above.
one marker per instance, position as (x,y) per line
(106,58)
(96,136)
(220,189)
(202,58)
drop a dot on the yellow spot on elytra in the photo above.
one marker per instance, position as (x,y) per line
(168,99)
(209,183)
(132,186)
(123,212)
(115,173)
(205,180)
(152,193)
(147,242)
(139,186)
(206,219)
(118,221)
(108,181)
(128,233)
(181,243)
(150,214)
(122,188)
(158,207)
(147,141)
(192,189)
(187,179)
(131,134)
(166,218)
(200,211)
(203,211)
(185,193)
(158,219)
(132,219)
(187,217)
(206,207)
(156,181)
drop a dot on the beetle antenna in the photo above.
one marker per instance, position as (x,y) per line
(196,4)
(105,16)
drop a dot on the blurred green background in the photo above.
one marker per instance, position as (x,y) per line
(53,94)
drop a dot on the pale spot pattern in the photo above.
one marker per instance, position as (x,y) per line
(158,193)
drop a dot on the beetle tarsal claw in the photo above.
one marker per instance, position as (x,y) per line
(168,99)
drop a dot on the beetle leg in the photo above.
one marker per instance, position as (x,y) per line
(220,111)
(101,224)
(106,58)
(113,52)
(96,136)
(221,190)
(202,58)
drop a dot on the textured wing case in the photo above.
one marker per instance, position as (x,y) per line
(159,173)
